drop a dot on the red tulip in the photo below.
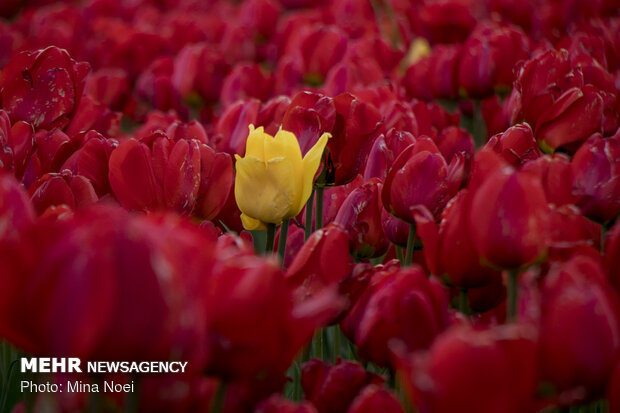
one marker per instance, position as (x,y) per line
(448,247)
(434,76)
(360,215)
(308,116)
(231,130)
(91,161)
(256,328)
(432,118)
(246,81)
(508,217)
(447,21)
(516,145)
(317,61)
(556,177)
(421,176)
(580,330)
(473,370)
(570,231)
(216,180)
(395,229)
(277,404)
(332,388)
(596,182)
(124,294)
(185,176)
(17,142)
(375,399)
(53,189)
(43,87)
(397,304)
(384,151)
(541,81)
(294,242)
(452,140)
(108,86)
(178,130)
(91,114)
(199,68)
(321,263)
(488,57)
(356,128)
(571,119)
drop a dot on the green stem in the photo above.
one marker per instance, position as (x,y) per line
(218,399)
(399,254)
(511,301)
(309,216)
(271,234)
(463,301)
(307,354)
(336,342)
(410,242)
(319,208)
(317,344)
(282,241)
(7,383)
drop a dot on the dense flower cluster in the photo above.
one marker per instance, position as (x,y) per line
(445,176)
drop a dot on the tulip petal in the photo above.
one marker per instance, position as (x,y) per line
(285,144)
(311,163)
(252,224)
(265,190)
(255,145)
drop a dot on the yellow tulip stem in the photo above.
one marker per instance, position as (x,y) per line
(410,244)
(271,234)
(309,216)
(282,240)
(319,208)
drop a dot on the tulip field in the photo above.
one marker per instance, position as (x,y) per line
(310,206)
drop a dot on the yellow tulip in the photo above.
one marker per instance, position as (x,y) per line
(273,182)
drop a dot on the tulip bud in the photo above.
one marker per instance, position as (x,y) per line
(375,399)
(360,215)
(384,151)
(277,404)
(489,55)
(508,216)
(447,21)
(516,145)
(397,304)
(421,176)
(262,346)
(331,389)
(473,370)
(448,248)
(596,177)
(75,191)
(273,182)
(91,161)
(356,128)
(321,263)
(555,176)
(580,330)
